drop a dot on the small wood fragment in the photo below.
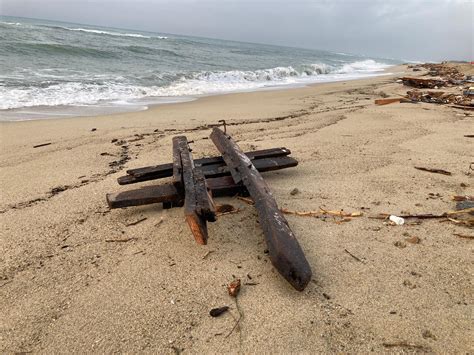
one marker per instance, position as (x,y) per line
(462,198)
(436,171)
(407,346)
(120,240)
(247,200)
(464,236)
(355,257)
(136,222)
(42,145)
(322,212)
(216,312)
(387,101)
(234,288)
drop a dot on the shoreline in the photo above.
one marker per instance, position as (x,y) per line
(147,103)
(65,287)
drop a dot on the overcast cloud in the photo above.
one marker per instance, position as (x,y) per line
(403,29)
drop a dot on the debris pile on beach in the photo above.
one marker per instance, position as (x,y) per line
(449,73)
(438,97)
(443,76)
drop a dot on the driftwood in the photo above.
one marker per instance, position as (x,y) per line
(198,204)
(212,167)
(284,250)
(436,171)
(390,100)
(41,145)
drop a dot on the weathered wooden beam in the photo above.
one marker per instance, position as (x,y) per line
(166,170)
(143,196)
(168,193)
(284,250)
(198,205)
(220,169)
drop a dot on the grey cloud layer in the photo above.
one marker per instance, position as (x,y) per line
(405,29)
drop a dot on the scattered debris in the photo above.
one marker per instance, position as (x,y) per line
(427,334)
(136,222)
(207,254)
(216,312)
(389,101)
(294,191)
(400,244)
(436,171)
(42,145)
(322,212)
(247,200)
(159,222)
(462,198)
(399,221)
(120,240)
(355,257)
(222,210)
(464,205)
(464,236)
(234,288)
(93,129)
(413,240)
(407,346)
(423,83)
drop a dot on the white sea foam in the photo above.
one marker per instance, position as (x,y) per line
(202,83)
(363,66)
(135,35)
(11,23)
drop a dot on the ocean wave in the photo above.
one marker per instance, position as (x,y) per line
(179,84)
(151,50)
(53,49)
(10,23)
(108,33)
(363,66)
(135,35)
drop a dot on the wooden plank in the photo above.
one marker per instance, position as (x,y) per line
(198,205)
(220,169)
(166,170)
(144,196)
(284,250)
(387,100)
(168,193)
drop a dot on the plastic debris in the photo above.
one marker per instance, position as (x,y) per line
(397,220)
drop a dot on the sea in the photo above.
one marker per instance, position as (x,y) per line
(51,69)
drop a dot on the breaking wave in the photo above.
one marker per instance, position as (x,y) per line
(108,33)
(100,89)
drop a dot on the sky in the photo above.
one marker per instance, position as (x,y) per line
(402,29)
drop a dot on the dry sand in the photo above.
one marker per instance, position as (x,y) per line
(64,289)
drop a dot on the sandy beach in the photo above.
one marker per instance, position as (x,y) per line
(65,289)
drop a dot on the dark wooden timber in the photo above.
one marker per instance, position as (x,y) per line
(168,193)
(217,169)
(165,168)
(144,196)
(198,204)
(284,250)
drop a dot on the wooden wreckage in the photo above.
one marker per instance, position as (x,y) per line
(194,183)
